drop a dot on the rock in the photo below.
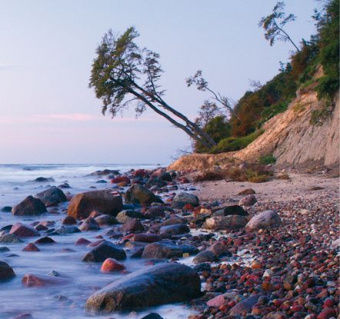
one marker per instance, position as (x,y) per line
(249,200)
(171,230)
(21,230)
(264,220)
(64,230)
(23,316)
(104,250)
(247,191)
(219,248)
(105,219)
(81,205)
(167,250)
(133,225)
(204,256)
(4,249)
(335,244)
(82,241)
(30,206)
(140,194)
(44,180)
(152,286)
(230,210)
(146,238)
(111,265)
(10,239)
(174,220)
(181,199)
(126,215)
(244,306)
(218,301)
(152,315)
(33,280)
(89,224)
(6,209)
(69,220)
(225,222)
(120,179)
(31,247)
(52,196)
(6,272)
(157,212)
(45,241)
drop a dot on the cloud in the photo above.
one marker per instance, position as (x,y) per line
(70,117)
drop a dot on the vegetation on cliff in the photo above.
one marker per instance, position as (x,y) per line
(243,124)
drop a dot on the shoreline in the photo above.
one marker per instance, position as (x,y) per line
(301,248)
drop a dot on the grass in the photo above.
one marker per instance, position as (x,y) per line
(230,144)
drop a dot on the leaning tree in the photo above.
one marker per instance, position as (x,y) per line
(123,73)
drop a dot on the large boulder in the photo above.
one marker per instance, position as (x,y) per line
(181,199)
(264,220)
(140,194)
(225,222)
(81,205)
(152,286)
(30,206)
(52,196)
(105,250)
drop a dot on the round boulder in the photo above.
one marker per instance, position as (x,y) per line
(181,199)
(152,286)
(81,205)
(30,206)
(264,220)
(52,196)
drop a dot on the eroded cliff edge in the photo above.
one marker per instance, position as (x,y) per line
(289,136)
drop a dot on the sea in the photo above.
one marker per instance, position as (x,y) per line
(64,258)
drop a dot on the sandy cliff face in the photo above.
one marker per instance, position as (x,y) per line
(289,136)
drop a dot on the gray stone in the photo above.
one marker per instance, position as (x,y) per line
(225,222)
(156,285)
(181,199)
(140,194)
(52,196)
(264,220)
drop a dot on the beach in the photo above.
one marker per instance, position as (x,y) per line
(287,268)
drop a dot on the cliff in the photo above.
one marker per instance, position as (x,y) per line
(289,136)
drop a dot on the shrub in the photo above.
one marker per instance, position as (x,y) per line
(210,176)
(254,173)
(235,143)
(267,159)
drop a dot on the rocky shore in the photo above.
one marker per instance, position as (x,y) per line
(227,249)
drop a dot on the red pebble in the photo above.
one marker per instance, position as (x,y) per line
(327,313)
(111,264)
(82,241)
(329,302)
(31,247)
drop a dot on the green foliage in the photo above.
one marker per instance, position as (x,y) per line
(273,25)
(328,27)
(218,128)
(235,143)
(267,159)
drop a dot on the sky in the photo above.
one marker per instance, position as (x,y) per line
(48,114)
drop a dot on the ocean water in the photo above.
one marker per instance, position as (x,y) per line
(66,300)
